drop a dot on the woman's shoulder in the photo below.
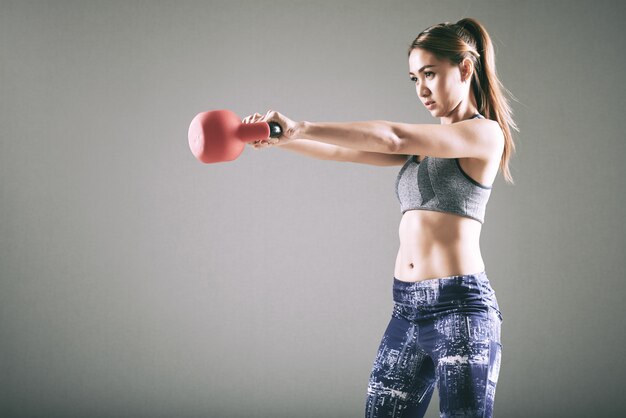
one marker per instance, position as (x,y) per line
(491,131)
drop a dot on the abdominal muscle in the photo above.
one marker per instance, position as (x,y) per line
(437,244)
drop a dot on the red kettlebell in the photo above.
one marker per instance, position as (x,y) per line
(220,136)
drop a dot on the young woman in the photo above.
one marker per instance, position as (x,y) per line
(445,325)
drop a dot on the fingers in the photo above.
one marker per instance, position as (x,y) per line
(251,118)
(260,144)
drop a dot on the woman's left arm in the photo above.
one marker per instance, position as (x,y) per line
(468,138)
(475,138)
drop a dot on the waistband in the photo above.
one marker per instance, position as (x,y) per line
(431,292)
(446,280)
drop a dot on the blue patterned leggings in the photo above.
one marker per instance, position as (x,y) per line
(443,331)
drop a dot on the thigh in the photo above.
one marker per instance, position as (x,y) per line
(467,357)
(403,374)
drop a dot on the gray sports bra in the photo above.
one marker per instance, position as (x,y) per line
(440,184)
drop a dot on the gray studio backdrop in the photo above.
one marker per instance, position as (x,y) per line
(137,281)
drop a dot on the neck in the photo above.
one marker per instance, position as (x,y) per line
(465,110)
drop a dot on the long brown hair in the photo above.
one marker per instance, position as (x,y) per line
(468,38)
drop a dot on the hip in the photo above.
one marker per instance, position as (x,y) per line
(467,293)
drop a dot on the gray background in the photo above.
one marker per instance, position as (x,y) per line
(136,281)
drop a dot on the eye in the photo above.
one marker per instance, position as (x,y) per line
(426,73)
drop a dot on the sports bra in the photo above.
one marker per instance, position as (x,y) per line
(441,185)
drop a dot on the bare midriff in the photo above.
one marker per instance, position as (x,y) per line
(437,244)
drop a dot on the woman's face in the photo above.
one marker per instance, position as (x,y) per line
(437,81)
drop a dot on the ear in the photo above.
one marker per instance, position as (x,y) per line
(467,69)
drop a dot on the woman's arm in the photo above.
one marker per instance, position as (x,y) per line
(468,138)
(322,151)
(313,149)
(372,136)
(359,142)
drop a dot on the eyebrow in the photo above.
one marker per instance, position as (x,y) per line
(424,67)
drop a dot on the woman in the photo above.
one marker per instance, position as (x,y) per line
(445,324)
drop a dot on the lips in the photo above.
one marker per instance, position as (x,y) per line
(428,103)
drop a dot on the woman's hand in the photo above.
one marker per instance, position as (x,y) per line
(289,129)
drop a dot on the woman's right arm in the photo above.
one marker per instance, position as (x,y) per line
(330,152)
(313,149)
(323,151)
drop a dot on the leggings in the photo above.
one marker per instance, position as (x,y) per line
(443,331)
